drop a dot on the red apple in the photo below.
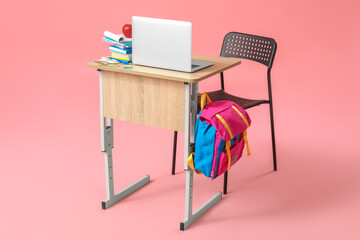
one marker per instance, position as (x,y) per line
(127,30)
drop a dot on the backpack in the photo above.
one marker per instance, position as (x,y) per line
(220,137)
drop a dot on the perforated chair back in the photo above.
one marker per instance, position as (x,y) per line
(256,48)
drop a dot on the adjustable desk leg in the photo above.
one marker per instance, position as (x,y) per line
(107,144)
(191,108)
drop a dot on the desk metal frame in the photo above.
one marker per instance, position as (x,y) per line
(190,120)
(155,78)
(107,144)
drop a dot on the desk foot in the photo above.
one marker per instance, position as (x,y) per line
(125,192)
(200,211)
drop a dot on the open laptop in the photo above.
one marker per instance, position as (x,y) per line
(164,44)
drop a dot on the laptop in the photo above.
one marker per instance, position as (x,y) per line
(164,44)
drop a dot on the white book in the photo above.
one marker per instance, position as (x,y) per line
(117,37)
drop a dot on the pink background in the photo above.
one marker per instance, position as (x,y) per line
(52,170)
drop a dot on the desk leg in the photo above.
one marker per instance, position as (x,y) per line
(191,108)
(107,144)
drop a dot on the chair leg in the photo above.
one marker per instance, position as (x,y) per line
(273,136)
(174,153)
(225,182)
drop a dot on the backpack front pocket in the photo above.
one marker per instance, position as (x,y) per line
(235,152)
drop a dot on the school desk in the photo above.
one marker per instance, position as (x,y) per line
(155,97)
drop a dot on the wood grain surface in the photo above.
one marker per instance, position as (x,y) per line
(220,64)
(145,100)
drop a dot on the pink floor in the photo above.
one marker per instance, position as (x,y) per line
(52,183)
(52,177)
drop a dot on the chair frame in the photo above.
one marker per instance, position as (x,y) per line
(254,48)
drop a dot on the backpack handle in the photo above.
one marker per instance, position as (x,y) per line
(204,97)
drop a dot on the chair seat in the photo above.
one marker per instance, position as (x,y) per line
(221,95)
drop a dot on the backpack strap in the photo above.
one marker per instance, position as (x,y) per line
(227,147)
(245,132)
(246,143)
(225,125)
(191,162)
(241,115)
(228,143)
(204,97)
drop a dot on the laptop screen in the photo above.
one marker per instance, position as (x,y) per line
(161,43)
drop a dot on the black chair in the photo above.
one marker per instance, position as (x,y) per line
(251,47)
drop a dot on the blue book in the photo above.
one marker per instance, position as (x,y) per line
(120,50)
(109,40)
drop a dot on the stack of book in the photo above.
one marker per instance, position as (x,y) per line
(120,47)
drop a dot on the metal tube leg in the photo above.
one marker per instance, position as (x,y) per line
(191,108)
(272,119)
(107,144)
(273,136)
(174,153)
(109,175)
(189,193)
(187,124)
(109,167)
(193,111)
(189,172)
(225,182)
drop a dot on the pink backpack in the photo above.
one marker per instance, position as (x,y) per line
(220,137)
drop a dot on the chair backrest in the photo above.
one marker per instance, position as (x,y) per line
(256,48)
